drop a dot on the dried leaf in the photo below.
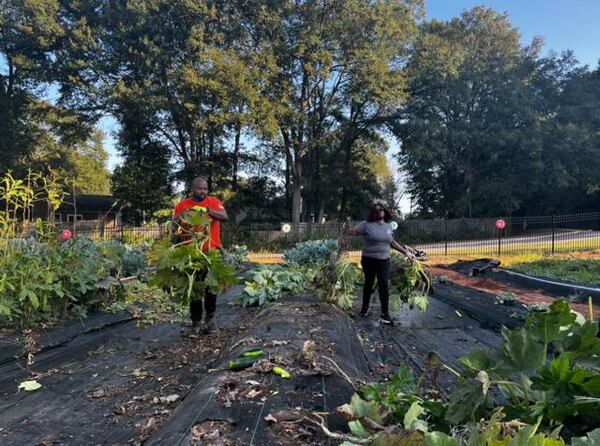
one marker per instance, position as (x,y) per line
(253,393)
(168,399)
(98,393)
(271,418)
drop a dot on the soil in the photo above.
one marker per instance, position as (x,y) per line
(493,284)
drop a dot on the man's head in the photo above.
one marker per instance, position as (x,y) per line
(199,188)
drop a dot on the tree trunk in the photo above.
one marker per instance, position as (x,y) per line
(236,156)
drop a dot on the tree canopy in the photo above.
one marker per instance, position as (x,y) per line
(298,102)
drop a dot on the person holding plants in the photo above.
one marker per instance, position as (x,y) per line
(378,240)
(212,206)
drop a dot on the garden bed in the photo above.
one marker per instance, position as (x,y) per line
(494,282)
(121,384)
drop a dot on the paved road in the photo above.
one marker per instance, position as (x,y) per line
(576,239)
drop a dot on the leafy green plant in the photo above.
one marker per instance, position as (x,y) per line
(335,280)
(148,304)
(560,389)
(410,283)
(506,298)
(270,283)
(43,282)
(236,255)
(544,374)
(311,252)
(127,261)
(187,268)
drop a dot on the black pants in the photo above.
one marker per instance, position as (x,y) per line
(210,305)
(381,269)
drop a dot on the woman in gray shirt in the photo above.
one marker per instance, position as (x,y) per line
(378,241)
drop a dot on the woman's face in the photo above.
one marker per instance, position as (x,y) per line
(380,211)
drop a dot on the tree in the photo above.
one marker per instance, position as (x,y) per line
(40,123)
(338,69)
(471,132)
(89,161)
(189,65)
(143,181)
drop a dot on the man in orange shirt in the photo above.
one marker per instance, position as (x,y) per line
(217,213)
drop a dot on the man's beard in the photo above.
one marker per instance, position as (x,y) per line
(199,197)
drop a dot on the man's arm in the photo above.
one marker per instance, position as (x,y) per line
(218,212)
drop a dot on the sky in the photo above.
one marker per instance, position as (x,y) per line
(564,24)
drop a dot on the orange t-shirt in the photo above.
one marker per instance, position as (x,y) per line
(215,225)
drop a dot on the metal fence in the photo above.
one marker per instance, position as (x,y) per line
(438,237)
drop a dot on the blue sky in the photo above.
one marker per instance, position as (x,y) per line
(564,24)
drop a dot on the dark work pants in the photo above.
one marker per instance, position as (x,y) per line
(381,269)
(210,305)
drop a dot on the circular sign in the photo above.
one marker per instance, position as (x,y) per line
(393,225)
(500,224)
(66,234)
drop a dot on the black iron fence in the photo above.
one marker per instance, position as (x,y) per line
(465,236)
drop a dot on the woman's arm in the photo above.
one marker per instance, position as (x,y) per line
(403,249)
(351,230)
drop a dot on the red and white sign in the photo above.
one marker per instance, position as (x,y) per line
(500,224)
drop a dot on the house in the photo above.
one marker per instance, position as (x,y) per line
(91,209)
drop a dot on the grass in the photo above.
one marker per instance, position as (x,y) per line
(585,271)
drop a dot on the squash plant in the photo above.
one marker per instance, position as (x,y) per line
(270,283)
(547,374)
(187,268)
(549,368)
(410,283)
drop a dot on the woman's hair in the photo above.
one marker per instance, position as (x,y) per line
(374,214)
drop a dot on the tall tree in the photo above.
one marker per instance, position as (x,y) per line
(43,112)
(143,181)
(338,68)
(471,131)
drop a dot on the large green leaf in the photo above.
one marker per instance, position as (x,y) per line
(478,360)
(357,429)
(439,439)
(412,415)
(368,409)
(551,326)
(522,351)
(468,399)
(583,344)
(591,439)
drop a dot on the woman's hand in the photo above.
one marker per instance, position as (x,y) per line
(350,231)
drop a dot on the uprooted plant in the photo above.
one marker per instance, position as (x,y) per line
(335,280)
(186,268)
(410,283)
